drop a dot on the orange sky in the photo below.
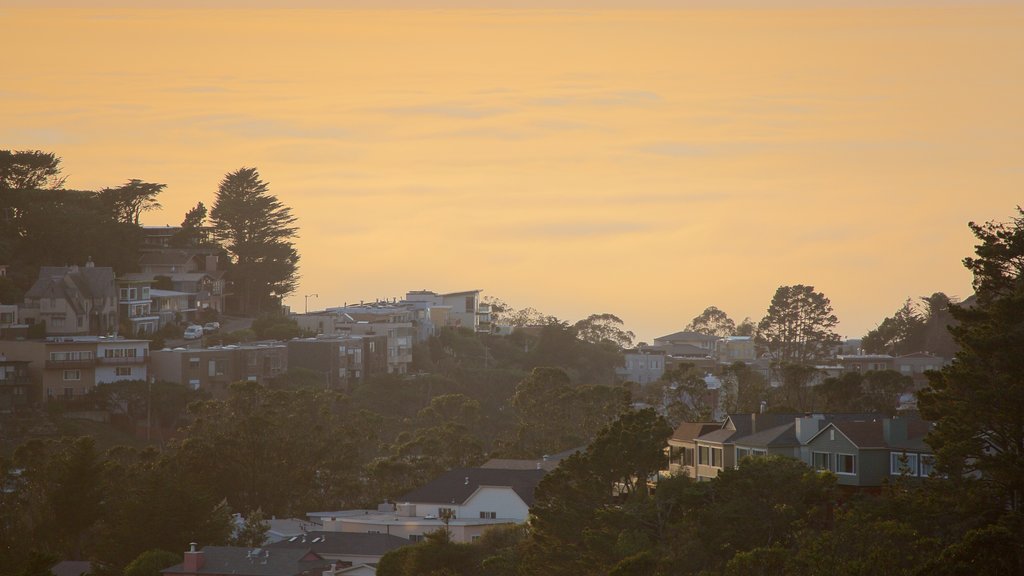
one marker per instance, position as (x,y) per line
(647,163)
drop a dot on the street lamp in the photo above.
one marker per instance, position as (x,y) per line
(307,297)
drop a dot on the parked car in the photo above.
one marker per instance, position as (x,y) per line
(193,332)
(211,327)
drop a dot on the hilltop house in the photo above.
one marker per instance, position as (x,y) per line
(73,300)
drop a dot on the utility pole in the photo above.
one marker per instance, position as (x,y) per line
(306,298)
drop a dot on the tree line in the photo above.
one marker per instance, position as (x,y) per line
(247,224)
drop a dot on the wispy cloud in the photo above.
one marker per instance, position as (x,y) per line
(446,110)
(629,98)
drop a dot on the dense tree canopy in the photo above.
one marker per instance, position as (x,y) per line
(257,230)
(799,326)
(978,400)
(712,322)
(29,170)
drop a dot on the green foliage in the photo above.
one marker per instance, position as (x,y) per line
(799,327)
(276,327)
(126,203)
(256,230)
(874,391)
(253,531)
(29,169)
(193,231)
(553,415)
(901,333)
(977,402)
(604,328)
(151,562)
(712,322)
(744,388)
(682,393)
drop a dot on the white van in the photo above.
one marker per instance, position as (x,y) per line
(193,332)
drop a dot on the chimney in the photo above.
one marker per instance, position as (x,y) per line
(194,559)
(894,430)
(806,428)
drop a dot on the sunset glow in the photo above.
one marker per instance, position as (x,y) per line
(647,163)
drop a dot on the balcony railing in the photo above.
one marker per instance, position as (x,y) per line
(65,364)
(124,360)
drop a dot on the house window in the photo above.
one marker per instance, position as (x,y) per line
(470,304)
(193,363)
(687,456)
(846,464)
(741,453)
(758,452)
(489,515)
(716,457)
(703,455)
(123,371)
(902,464)
(72,375)
(442,512)
(373,346)
(415,537)
(6,317)
(820,461)
(927,464)
(216,367)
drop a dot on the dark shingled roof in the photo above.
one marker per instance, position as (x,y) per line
(71,568)
(241,561)
(687,431)
(687,335)
(459,484)
(64,282)
(343,543)
(784,435)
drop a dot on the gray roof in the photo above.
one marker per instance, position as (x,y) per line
(456,486)
(782,435)
(241,561)
(687,335)
(71,282)
(343,543)
(71,568)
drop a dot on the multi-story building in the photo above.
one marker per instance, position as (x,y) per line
(390,319)
(15,385)
(71,366)
(73,300)
(642,365)
(343,361)
(465,308)
(214,369)
(135,307)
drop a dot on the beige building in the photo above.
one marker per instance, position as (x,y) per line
(214,369)
(71,366)
(73,300)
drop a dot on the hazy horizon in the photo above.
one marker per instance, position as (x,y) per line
(647,163)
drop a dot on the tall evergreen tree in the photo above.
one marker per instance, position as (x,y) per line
(799,326)
(977,402)
(256,229)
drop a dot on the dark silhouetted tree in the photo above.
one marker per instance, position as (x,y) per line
(256,230)
(712,322)
(29,170)
(799,326)
(977,402)
(127,203)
